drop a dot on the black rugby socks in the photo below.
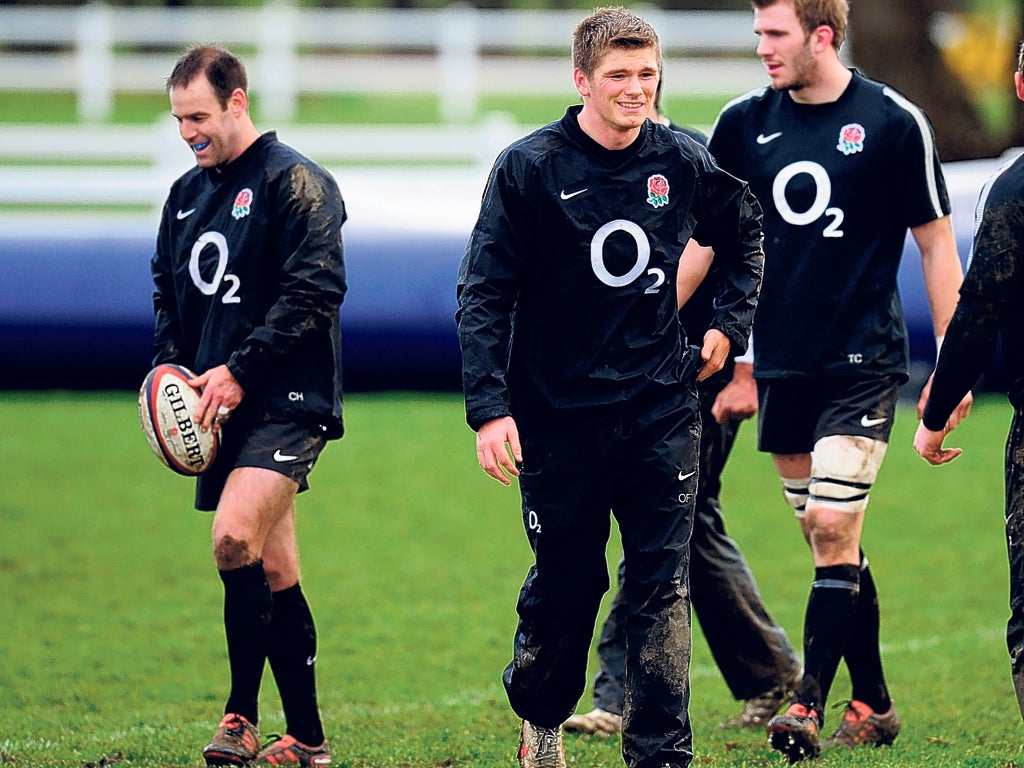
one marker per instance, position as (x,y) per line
(827,625)
(247,610)
(863,658)
(292,660)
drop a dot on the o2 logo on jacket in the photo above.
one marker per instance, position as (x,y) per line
(822,196)
(643,256)
(210,287)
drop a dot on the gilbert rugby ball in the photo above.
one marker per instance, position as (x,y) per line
(167,404)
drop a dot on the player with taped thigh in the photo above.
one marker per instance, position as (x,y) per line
(828,441)
(845,167)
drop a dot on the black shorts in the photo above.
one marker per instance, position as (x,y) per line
(289,449)
(795,413)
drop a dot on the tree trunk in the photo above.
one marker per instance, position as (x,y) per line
(890,42)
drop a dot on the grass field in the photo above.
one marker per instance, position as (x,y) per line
(135,108)
(112,647)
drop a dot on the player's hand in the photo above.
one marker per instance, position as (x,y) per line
(738,399)
(714,353)
(221,395)
(498,449)
(961,412)
(928,444)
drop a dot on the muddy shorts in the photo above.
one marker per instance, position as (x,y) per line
(289,449)
(795,413)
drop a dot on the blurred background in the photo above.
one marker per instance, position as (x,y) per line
(407,103)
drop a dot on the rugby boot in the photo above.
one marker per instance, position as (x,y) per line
(236,742)
(795,734)
(540,747)
(759,709)
(862,725)
(288,751)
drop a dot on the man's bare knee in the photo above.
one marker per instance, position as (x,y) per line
(231,553)
(829,535)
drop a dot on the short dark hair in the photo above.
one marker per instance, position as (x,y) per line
(816,13)
(606,29)
(222,69)
(1020,58)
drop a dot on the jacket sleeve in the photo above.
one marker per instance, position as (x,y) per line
(992,283)
(167,332)
(311,279)
(487,290)
(729,221)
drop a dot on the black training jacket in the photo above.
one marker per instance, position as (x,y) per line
(566,290)
(249,272)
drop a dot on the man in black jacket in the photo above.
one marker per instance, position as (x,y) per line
(249,276)
(578,380)
(751,650)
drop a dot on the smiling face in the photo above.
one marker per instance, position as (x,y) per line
(785,48)
(216,133)
(619,96)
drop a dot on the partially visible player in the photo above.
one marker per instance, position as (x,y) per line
(843,166)
(578,382)
(991,307)
(249,276)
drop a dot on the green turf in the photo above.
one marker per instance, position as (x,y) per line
(112,646)
(137,108)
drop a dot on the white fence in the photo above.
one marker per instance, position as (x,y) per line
(111,168)
(457,52)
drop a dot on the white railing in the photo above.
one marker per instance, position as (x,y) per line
(394,175)
(457,53)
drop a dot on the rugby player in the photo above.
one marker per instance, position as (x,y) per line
(843,167)
(249,276)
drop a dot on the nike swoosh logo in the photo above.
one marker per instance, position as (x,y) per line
(278,456)
(687,476)
(762,139)
(185,214)
(569,195)
(868,422)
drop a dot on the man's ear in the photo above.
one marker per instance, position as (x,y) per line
(238,102)
(581,82)
(822,37)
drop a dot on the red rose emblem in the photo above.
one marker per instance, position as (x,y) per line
(658,185)
(853,134)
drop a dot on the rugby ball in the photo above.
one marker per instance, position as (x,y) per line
(167,404)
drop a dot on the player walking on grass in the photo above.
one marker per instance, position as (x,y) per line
(249,277)
(751,650)
(843,167)
(991,307)
(578,381)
